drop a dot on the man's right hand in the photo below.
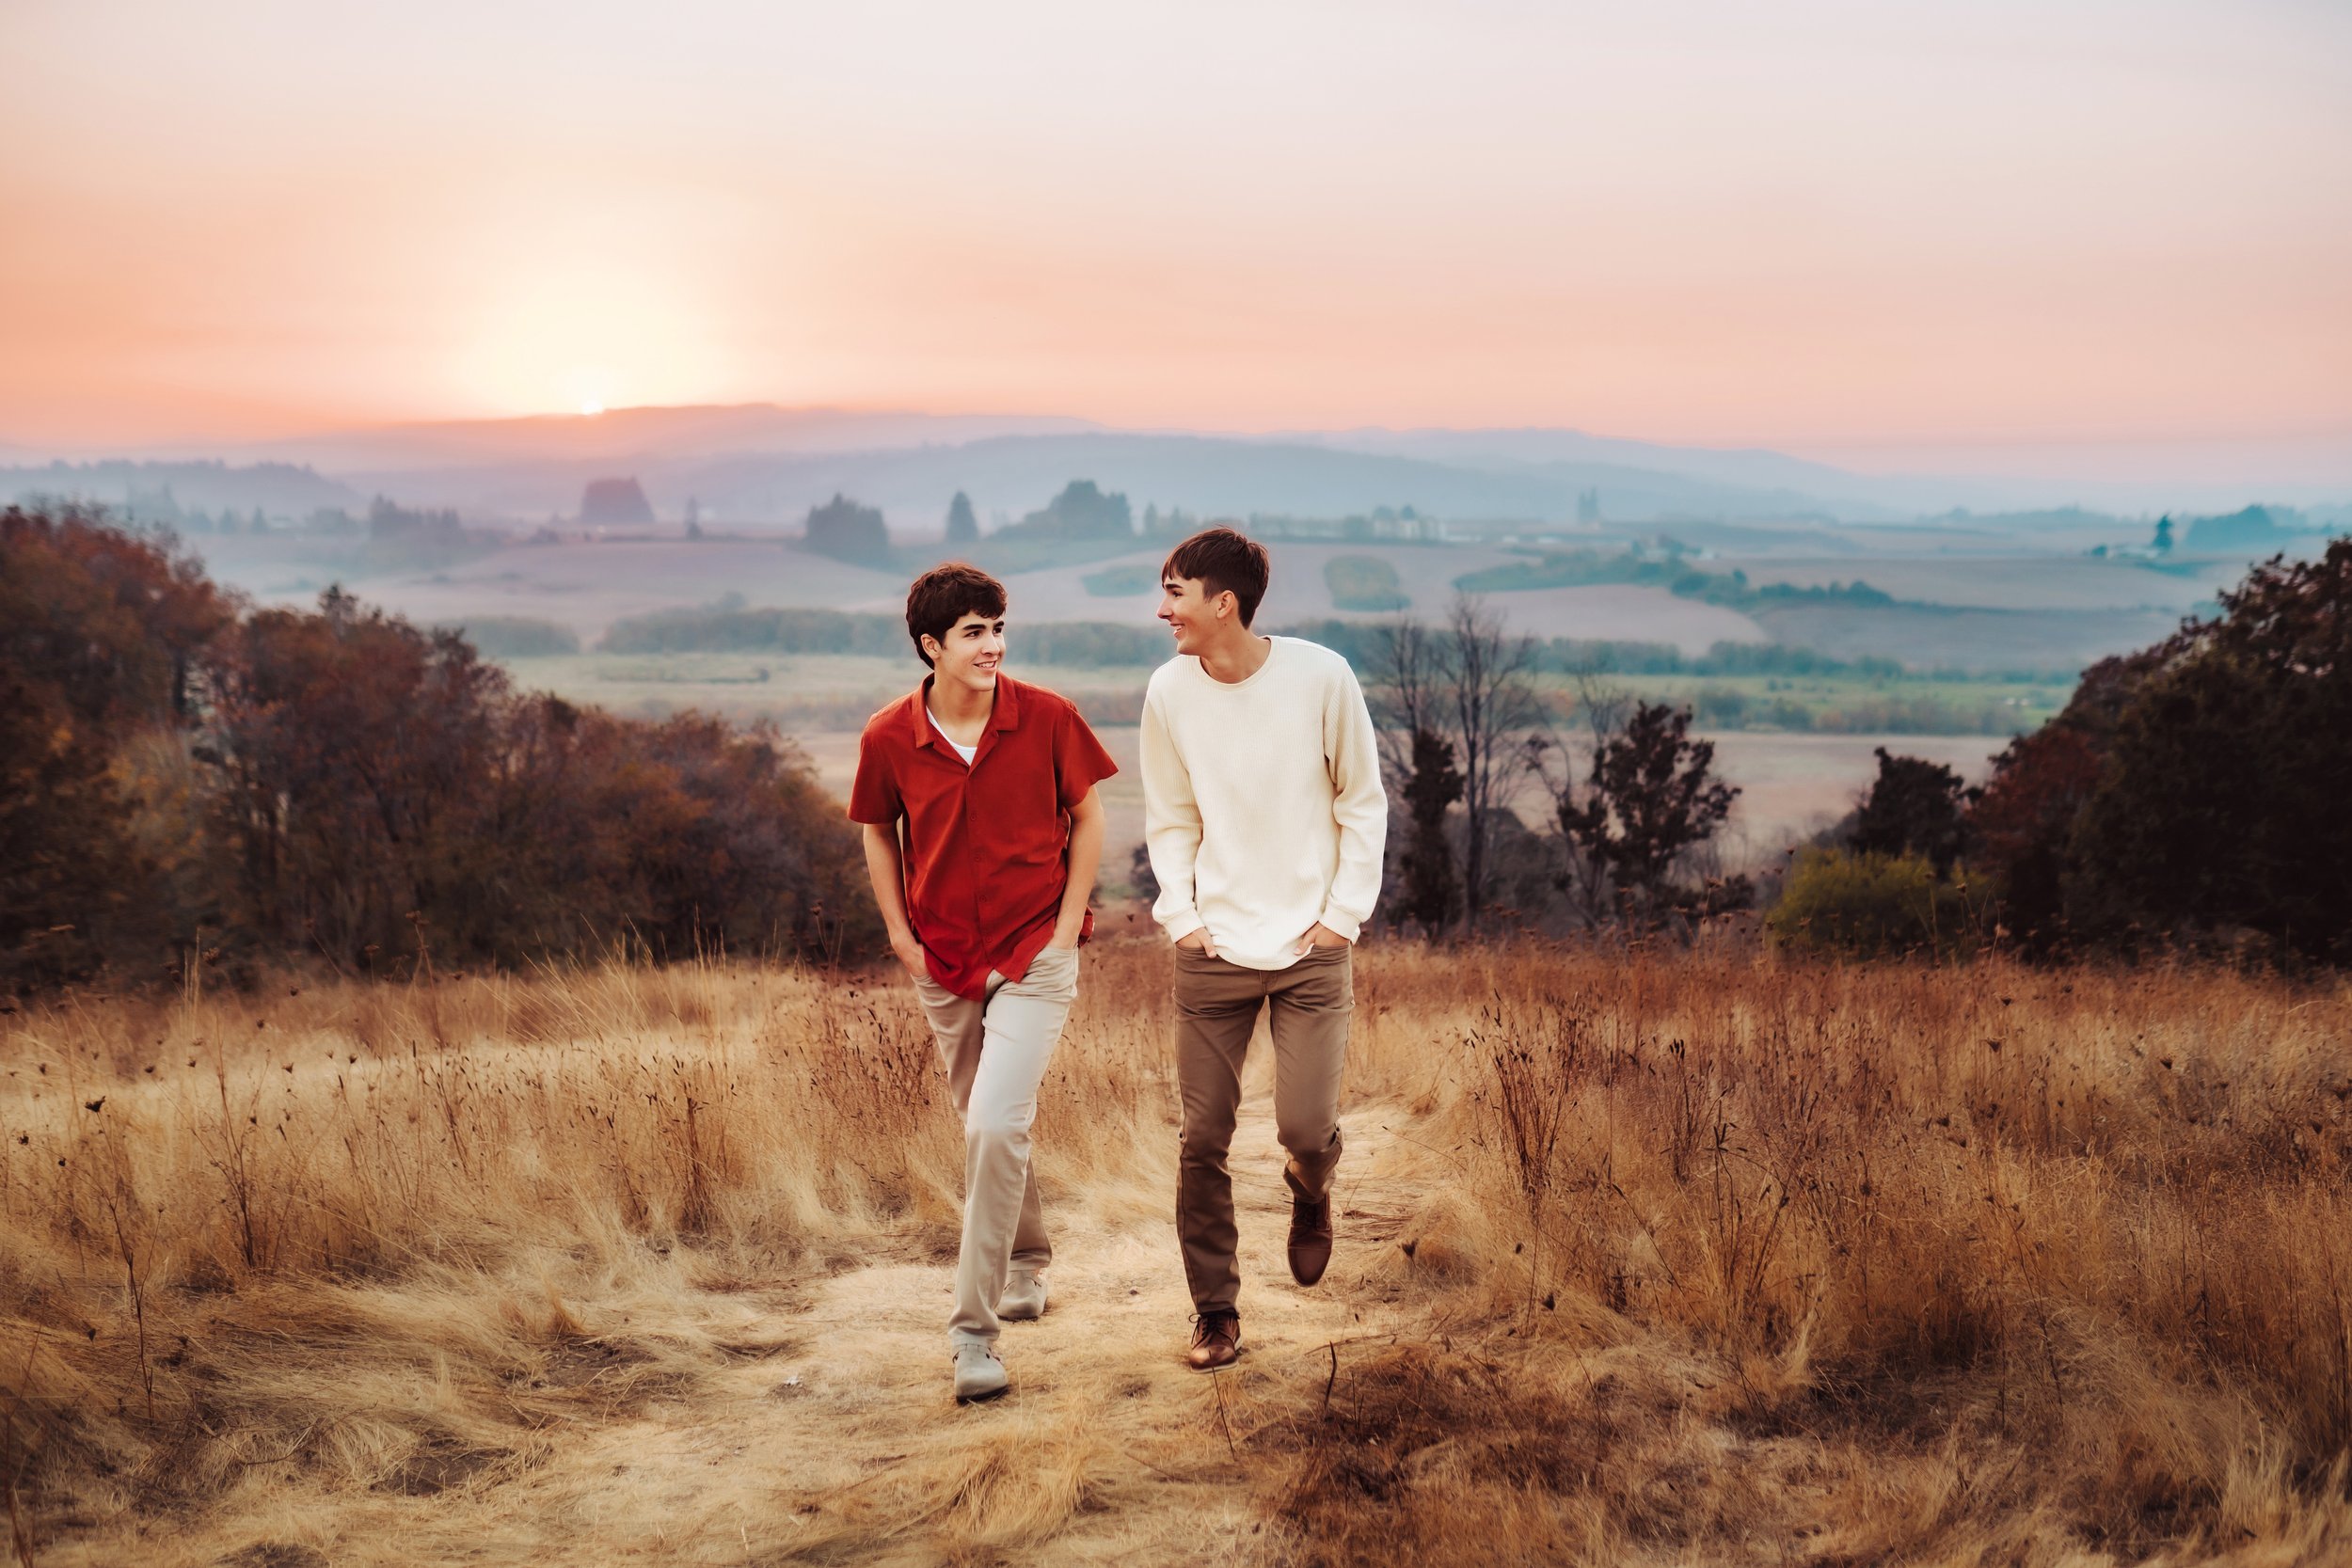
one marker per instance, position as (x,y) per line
(911,954)
(1198,940)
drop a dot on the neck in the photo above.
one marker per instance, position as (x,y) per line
(957,702)
(1237,655)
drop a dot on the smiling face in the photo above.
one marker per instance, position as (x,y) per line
(1197,616)
(970,653)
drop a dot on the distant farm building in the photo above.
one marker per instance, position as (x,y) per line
(614,502)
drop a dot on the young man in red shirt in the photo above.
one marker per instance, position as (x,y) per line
(982,836)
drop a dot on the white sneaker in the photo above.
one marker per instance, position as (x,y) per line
(1023,1297)
(979,1375)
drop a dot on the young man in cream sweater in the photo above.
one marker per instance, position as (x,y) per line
(1264,815)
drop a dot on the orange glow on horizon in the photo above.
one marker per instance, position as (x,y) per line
(1973,222)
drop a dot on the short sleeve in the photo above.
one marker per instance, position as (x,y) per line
(1079,761)
(874,797)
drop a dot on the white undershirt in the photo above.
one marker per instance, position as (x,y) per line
(967,753)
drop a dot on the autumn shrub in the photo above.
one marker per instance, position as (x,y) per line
(102,636)
(178,779)
(1870,905)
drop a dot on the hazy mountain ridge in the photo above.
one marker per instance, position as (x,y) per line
(1015,475)
(1538,448)
(649,435)
(282,489)
(762,466)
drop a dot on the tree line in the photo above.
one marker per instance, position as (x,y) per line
(2192,795)
(2195,796)
(733,627)
(183,775)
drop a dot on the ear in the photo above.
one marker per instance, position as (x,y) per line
(1228,602)
(932,646)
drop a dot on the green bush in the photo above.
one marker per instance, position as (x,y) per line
(1871,906)
(1363,582)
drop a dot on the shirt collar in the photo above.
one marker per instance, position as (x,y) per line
(1006,715)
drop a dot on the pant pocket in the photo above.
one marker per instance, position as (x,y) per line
(1055,970)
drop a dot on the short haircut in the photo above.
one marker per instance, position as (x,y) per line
(1222,560)
(946,595)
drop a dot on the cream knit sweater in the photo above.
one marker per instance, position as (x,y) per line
(1262,805)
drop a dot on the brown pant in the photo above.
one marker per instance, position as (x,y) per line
(1216,1007)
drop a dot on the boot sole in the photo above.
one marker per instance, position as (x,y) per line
(983,1399)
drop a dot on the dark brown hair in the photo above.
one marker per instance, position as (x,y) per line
(946,595)
(1222,560)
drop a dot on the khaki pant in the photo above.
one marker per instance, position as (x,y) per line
(1217,1008)
(995,1053)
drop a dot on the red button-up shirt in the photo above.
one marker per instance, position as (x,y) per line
(985,841)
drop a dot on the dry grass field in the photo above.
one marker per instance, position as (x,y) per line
(1642,1258)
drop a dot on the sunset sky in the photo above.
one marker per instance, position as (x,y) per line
(1841,228)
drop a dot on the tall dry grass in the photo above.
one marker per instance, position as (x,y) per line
(2058,1260)
(1706,1255)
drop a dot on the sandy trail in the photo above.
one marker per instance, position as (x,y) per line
(828,1431)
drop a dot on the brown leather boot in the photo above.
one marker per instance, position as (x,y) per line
(1311,1233)
(1215,1341)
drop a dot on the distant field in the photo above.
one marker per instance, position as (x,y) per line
(1127,586)
(2001,582)
(801,692)
(588,587)
(822,692)
(1845,705)
(1962,639)
(2010,610)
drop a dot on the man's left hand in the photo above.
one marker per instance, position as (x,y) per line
(1318,935)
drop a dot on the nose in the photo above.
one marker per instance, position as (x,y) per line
(1168,607)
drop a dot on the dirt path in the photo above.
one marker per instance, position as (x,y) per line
(830,1433)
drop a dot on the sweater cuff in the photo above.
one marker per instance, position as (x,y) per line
(1340,924)
(1182,924)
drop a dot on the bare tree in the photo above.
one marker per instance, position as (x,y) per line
(1417,759)
(1406,681)
(1603,705)
(1497,719)
(1457,702)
